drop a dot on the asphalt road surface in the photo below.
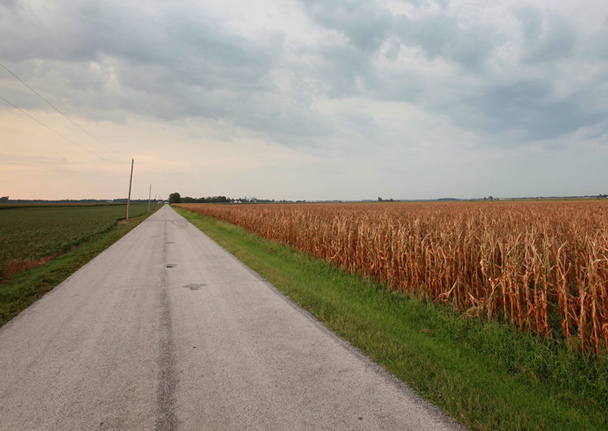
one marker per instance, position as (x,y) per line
(165,331)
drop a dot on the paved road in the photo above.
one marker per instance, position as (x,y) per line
(166,331)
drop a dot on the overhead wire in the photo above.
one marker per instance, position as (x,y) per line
(60,112)
(55,131)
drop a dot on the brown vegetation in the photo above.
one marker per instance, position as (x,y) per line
(541,266)
(17,266)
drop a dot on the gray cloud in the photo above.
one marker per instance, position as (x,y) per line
(531,19)
(532,109)
(363,22)
(8,4)
(486,102)
(104,60)
(439,36)
(339,68)
(547,38)
(168,65)
(367,25)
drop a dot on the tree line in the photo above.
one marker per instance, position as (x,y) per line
(176,198)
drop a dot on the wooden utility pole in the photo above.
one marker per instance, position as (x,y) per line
(130,183)
(149,196)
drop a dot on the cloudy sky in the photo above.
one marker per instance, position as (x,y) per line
(304,99)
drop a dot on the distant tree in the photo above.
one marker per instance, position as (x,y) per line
(175,198)
(4,199)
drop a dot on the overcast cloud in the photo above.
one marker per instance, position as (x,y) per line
(306,99)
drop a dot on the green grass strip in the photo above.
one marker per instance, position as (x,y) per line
(23,289)
(484,374)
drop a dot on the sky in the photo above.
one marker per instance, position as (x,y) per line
(303,99)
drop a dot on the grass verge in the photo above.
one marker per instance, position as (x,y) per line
(484,374)
(21,290)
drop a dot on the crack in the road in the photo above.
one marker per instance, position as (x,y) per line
(167,382)
(195,286)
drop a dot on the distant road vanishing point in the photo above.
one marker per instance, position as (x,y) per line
(167,331)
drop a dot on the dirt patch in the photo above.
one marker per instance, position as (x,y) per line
(17,266)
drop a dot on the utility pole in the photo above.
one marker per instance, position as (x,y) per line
(149,196)
(130,183)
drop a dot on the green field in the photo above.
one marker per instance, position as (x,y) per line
(31,235)
(44,245)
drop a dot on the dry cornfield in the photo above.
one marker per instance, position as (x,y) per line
(541,266)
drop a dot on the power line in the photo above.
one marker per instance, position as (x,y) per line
(55,131)
(57,109)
